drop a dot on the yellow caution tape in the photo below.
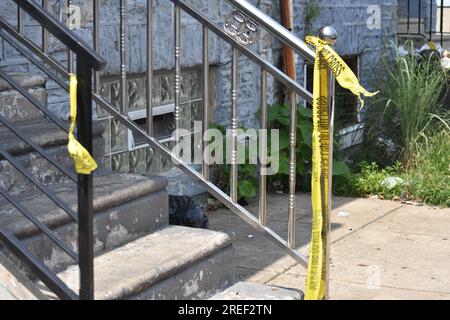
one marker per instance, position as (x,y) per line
(316,281)
(84,163)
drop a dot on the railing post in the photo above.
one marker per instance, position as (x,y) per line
(85,183)
(329,34)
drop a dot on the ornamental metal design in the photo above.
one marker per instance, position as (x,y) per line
(242,28)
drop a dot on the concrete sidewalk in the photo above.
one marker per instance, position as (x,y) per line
(380,250)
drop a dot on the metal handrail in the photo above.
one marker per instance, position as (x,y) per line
(62,33)
(275,28)
(87,61)
(209,186)
(50,279)
(270,68)
(85,96)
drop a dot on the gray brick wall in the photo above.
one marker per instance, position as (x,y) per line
(348,16)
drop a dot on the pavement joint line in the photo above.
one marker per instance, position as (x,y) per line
(276,273)
(381,286)
(392,287)
(423,234)
(254,269)
(367,224)
(354,231)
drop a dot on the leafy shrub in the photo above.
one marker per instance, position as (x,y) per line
(247,173)
(279,118)
(370,180)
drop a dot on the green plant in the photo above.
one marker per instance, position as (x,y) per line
(430,178)
(311,13)
(247,172)
(278,118)
(409,109)
(371,180)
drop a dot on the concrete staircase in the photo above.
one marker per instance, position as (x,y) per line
(139,256)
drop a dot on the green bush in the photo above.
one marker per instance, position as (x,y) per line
(247,173)
(278,118)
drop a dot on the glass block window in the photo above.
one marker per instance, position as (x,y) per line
(125,152)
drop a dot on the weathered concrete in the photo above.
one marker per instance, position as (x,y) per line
(162,259)
(382,250)
(126,207)
(203,279)
(14,106)
(257,291)
(24,79)
(15,286)
(54,141)
(17,108)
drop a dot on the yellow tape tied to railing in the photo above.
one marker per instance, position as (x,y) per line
(84,163)
(325,56)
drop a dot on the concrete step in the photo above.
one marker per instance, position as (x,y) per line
(14,285)
(172,264)
(54,141)
(257,291)
(17,108)
(126,207)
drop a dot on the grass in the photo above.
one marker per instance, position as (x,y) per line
(409,109)
(406,150)
(430,178)
(427,181)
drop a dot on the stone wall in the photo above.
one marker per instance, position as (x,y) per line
(349,17)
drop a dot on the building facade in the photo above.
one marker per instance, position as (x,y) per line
(364,27)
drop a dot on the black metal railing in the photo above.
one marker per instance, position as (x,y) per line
(87,60)
(425,18)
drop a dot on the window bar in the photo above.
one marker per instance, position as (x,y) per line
(177,82)
(420,18)
(96,38)
(44,31)
(123,62)
(292,172)
(149,67)
(234,126)
(263,152)
(205,98)
(408,23)
(431,20)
